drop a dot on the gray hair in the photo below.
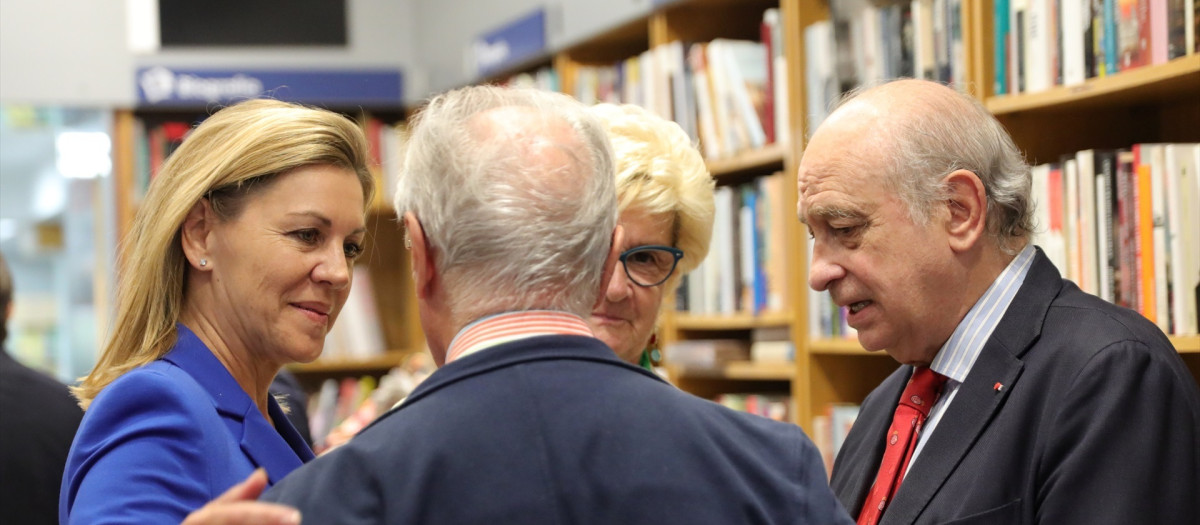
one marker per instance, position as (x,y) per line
(510,231)
(938,135)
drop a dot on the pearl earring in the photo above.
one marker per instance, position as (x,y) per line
(203,262)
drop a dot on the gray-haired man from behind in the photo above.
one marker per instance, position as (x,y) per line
(509,202)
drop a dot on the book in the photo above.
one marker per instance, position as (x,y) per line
(1182,192)
(1143,202)
(1089,245)
(1104,162)
(772,345)
(706,353)
(820,75)
(1074,34)
(1128,283)
(1000,46)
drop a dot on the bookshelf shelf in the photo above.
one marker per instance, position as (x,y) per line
(1186,344)
(738,371)
(767,159)
(383,362)
(1178,79)
(745,321)
(838,347)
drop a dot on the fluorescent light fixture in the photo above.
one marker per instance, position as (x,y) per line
(83,154)
(8,228)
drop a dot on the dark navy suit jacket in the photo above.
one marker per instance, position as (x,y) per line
(556,429)
(1097,421)
(164,439)
(38,419)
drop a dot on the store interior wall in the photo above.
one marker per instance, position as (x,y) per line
(66,65)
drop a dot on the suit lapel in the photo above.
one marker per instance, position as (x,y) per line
(265,446)
(978,399)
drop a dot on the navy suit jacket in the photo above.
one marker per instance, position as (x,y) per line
(38,419)
(1097,421)
(556,429)
(164,439)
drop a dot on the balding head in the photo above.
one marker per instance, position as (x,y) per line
(915,132)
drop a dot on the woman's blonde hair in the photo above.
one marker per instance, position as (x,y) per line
(238,150)
(659,170)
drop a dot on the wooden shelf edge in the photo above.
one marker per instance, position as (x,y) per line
(385,361)
(1181,69)
(838,347)
(739,321)
(1186,344)
(737,370)
(768,156)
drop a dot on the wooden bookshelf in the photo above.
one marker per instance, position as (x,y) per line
(738,370)
(1175,80)
(351,366)
(1186,344)
(741,321)
(844,347)
(764,160)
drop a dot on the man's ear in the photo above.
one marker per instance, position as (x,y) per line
(424,272)
(967,203)
(196,235)
(610,262)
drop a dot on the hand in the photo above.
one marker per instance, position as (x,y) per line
(239,506)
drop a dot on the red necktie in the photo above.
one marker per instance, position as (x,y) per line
(919,396)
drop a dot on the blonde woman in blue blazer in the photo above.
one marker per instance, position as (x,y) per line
(237,264)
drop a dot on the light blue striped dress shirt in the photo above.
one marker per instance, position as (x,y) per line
(958,355)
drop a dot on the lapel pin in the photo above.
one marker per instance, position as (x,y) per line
(998,387)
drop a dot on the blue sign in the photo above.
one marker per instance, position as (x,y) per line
(171,87)
(510,45)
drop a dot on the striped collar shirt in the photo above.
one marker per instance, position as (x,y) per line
(955,359)
(507,327)
(959,353)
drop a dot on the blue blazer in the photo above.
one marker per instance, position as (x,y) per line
(556,429)
(1097,421)
(164,439)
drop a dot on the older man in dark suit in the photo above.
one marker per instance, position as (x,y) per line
(508,199)
(38,420)
(1021,399)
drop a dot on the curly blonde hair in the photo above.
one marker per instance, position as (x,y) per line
(659,170)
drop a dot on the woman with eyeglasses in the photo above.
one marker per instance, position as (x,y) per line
(665,199)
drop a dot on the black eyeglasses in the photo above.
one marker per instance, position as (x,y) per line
(650,265)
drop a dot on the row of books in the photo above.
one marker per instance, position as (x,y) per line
(387,140)
(765,345)
(1044,43)
(772,406)
(340,409)
(746,267)
(830,428)
(153,143)
(1123,225)
(357,333)
(827,320)
(864,43)
(728,95)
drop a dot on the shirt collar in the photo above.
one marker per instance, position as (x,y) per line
(506,327)
(956,357)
